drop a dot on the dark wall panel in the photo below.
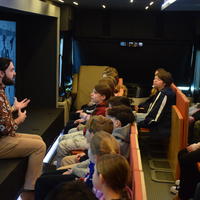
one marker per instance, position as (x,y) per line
(36,71)
(168,38)
(143,25)
(134,64)
(36,56)
(132,25)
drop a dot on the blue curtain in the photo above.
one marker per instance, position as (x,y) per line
(77,59)
(197,71)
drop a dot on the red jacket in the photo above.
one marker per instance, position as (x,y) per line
(100,109)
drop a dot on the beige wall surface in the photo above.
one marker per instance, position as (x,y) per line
(33,6)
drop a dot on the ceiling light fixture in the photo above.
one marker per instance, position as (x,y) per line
(61,1)
(131,1)
(167,3)
(147,7)
(103,6)
(151,3)
(75,3)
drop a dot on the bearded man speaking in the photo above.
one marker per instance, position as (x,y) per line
(17,145)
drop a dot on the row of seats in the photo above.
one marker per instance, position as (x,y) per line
(138,182)
(179,131)
(82,87)
(83,84)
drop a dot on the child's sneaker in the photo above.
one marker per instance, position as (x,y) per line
(177,182)
(174,189)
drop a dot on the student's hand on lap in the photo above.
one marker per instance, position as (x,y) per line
(192,147)
(79,111)
(191,119)
(78,156)
(78,121)
(83,115)
(136,108)
(68,172)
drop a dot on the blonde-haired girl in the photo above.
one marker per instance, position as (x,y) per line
(111,177)
(120,89)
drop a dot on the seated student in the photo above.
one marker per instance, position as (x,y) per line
(194,124)
(94,124)
(111,177)
(122,117)
(189,173)
(100,94)
(71,190)
(110,81)
(49,180)
(158,118)
(101,143)
(155,90)
(142,108)
(119,100)
(197,192)
(111,71)
(121,90)
(89,108)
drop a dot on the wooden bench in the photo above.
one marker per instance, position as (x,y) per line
(47,123)
(175,140)
(84,86)
(179,129)
(182,103)
(138,182)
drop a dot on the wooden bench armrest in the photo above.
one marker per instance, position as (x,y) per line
(74,152)
(139,185)
(144,130)
(198,166)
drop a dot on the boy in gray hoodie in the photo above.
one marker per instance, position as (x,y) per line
(122,117)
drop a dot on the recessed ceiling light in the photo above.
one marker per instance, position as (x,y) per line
(61,1)
(167,3)
(75,3)
(147,7)
(131,1)
(103,6)
(151,3)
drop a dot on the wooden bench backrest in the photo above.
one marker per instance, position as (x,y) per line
(175,141)
(179,131)
(138,182)
(88,77)
(182,104)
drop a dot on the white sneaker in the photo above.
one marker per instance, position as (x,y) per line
(54,162)
(177,182)
(174,189)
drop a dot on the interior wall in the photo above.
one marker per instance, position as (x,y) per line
(137,65)
(38,29)
(143,25)
(66,18)
(167,38)
(36,66)
(32,6)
